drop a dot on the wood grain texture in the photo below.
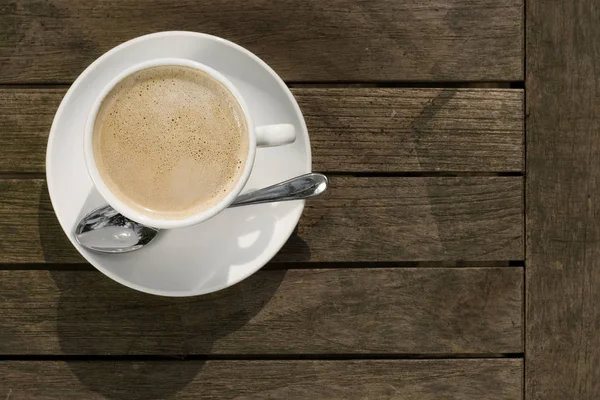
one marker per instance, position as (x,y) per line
(25,119)
(422,130)
(563,192)
(339,40)
(412,219)
(490,379)
(302,311)
(355,130)
(379,219)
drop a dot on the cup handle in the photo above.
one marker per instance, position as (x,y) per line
(275,135)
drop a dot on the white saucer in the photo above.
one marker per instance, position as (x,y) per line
(222,251)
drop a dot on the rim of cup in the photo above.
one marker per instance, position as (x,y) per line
(120,206)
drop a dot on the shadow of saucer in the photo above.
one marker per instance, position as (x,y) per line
(295,249)
(98,317)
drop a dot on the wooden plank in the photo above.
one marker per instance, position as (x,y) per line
(379,219)
(25,119)
(563,188)
(354,129)
(408,130)
(412,219)
(492,379)
(340,40)
(301,311)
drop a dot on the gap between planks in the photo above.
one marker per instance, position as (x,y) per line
(292,266)
(316,85)
(261,357)
(408,174)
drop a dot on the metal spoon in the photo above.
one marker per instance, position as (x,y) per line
(105,230)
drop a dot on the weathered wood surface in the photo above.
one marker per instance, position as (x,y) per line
(299,311)
(563,207)
(25,119)
(490,379)
(379,219)
(63,330)
(422,130)
(352,129)
(340,40)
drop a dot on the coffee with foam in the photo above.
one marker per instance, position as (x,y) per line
(170,141)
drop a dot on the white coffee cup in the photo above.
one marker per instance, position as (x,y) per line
(261,136)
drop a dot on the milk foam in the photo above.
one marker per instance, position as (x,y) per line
(170,141)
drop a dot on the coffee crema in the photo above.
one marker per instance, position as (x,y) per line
(170,141)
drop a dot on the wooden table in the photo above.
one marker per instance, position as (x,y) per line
(456,256)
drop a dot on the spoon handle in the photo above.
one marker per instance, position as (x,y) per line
(298,188)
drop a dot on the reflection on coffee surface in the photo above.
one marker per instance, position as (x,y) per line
(170,141)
